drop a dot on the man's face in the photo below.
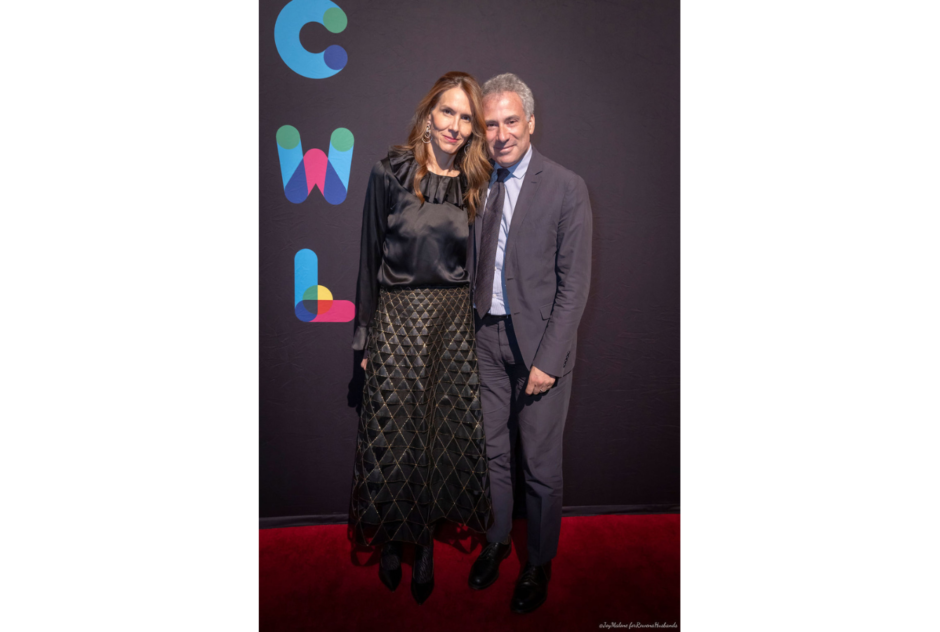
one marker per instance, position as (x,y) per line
(508,134)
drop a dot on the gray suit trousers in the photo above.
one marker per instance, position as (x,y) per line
(541,424)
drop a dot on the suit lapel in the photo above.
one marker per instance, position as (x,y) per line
(477,232)
(526,198)
(476,229)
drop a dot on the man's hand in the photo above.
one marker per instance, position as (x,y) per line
(363,363)
(539,382)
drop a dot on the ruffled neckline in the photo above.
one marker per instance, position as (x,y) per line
(436,189)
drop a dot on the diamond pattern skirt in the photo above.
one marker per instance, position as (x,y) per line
(421,450)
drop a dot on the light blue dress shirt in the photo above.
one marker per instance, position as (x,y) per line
(500,305)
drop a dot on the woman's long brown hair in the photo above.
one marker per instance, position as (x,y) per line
(471,159)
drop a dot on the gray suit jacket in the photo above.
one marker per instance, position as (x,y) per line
(547,264)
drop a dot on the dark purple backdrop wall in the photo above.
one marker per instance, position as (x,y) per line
(606,81)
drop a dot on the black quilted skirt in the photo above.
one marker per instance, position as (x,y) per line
(421,451)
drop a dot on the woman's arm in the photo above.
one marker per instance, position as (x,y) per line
(374,224)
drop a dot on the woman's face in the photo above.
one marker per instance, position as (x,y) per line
(451,121)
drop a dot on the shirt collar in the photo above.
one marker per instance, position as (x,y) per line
(517,170)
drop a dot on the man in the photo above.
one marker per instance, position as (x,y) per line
(531,270)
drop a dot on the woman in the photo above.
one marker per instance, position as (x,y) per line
(420,454)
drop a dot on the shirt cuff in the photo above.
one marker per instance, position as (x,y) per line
(360,338)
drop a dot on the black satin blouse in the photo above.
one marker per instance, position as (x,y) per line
(405,242)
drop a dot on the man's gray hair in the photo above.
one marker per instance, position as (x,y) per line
(509,82)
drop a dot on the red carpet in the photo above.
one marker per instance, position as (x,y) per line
(614,569)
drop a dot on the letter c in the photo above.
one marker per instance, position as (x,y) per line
(291,19)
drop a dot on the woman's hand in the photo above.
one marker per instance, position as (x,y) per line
(363,363)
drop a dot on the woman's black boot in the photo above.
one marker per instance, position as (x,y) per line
(390,565)
(422,577)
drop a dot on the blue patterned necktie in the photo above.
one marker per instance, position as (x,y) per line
(489,241)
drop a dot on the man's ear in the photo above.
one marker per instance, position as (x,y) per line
(532,124)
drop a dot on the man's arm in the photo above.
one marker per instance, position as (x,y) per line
(573,273)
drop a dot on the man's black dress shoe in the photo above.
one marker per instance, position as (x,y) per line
(485,569)
(531,588)
(390,565)
(423,571)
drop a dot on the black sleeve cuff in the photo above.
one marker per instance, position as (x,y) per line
(360,338)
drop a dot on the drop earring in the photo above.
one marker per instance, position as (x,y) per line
(427,134)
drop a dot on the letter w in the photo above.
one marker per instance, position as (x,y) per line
(301,172)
